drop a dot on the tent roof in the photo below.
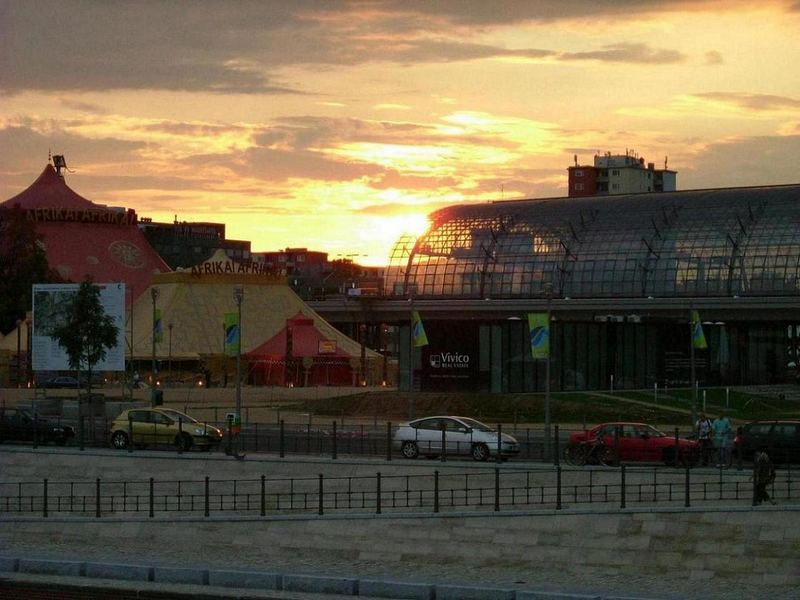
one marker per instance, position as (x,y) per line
(305,341)
(108,250)
(196,305)
(109,253)
(49,191)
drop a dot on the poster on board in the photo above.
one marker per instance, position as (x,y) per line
(49,312)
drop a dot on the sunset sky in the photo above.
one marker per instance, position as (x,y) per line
(337,126)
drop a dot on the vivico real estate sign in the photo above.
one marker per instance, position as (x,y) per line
(49,312)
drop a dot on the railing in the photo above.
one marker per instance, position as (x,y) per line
(486,490)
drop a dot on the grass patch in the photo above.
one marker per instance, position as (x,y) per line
(672,408)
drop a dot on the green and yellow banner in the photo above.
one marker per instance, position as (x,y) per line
(158,327)
(420,339)
(539,331)
(698,337)
(232,332)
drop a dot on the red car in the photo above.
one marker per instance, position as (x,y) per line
(637,442)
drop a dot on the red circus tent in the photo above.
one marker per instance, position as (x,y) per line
(83,238)
(300,355)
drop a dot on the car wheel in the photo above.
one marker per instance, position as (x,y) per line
(119,440)
(183,441)
(480,452)
(409,450)
(572,455)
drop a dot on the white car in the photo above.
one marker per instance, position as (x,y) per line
(462,435)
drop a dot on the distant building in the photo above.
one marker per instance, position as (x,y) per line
(619,174)
(182,244)
(293,260)
(312,275)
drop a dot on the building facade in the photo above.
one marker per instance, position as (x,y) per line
(619,174)
(184,244)
(619,275)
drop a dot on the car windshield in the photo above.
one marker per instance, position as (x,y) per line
(178,415)
(476,425)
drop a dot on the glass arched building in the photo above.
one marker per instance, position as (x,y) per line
(619,275)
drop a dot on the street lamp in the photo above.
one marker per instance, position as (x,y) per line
(170,351)
(238,296)
(362,332)
(548,290)
(154,296)
(19,350)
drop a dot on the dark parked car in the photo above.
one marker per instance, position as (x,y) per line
(780,438)
(63,382)
(19,424)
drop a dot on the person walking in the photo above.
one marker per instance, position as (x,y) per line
(722,440)
(704,430)
(763,475)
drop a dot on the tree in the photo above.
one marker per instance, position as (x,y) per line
(88,331)
(23,262)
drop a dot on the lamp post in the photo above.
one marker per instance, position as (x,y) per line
(28,357)
(19,350)
(238,296)
(154,296)
(362,332)
(692,371)
(169,327)
(548,290)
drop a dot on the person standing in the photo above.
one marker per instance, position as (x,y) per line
(703,427)
(722,440)
(763,475)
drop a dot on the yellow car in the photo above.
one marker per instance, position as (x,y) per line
(159,426)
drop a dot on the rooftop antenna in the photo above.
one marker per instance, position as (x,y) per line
(575,156)
(665,162)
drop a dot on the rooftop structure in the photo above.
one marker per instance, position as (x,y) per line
(619,174)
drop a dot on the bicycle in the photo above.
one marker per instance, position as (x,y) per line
(590,452)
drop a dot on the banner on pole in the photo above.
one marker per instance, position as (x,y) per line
(539,331)
(231,333)
(698,337)
(420,339)
(158,328)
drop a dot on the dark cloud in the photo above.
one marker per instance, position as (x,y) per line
(752,101)
(509,12)
(84,107)
(192,129)
(19,168)
(713,57)
(764,160)
(237,47)
(627,53)
(87,45)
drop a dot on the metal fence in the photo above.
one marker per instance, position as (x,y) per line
(435,492)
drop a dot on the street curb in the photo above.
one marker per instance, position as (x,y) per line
(229,579)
